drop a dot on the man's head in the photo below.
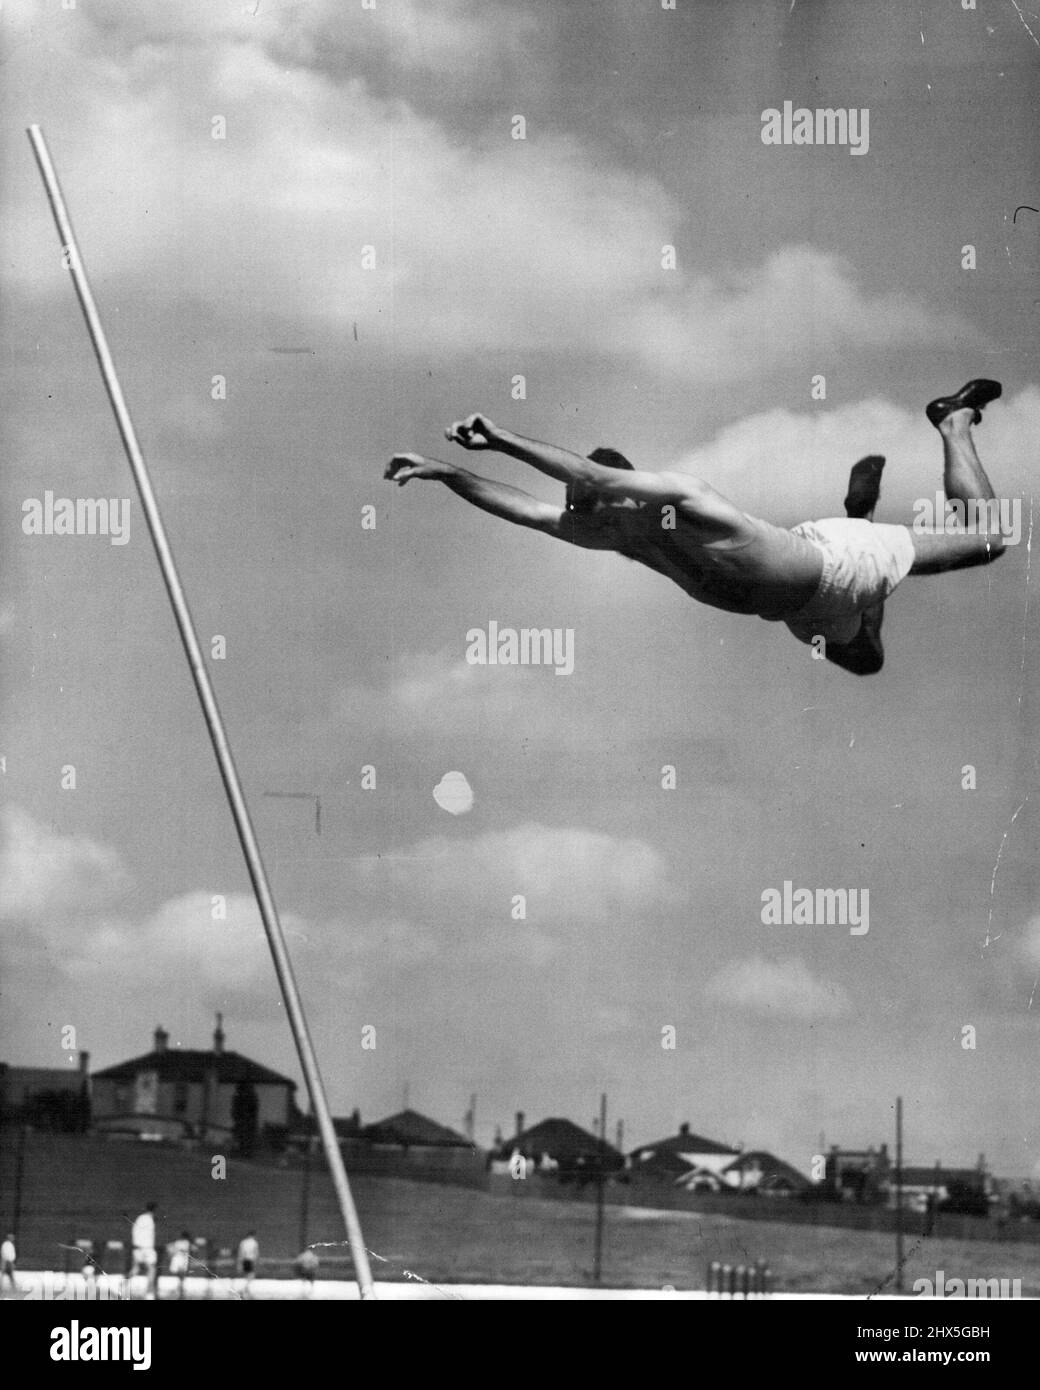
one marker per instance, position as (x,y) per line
(584,499)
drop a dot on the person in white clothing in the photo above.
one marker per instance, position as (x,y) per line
(8,1258)
(248,1257)
(142,1239)
(180,1260)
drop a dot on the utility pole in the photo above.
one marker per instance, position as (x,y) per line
(899,1194)
(597,1257)
(471,1119)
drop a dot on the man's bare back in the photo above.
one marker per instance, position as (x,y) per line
(744,566)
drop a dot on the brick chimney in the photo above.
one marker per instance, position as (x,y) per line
(218,1036)
(519,1122)
(161,1039)
(684,1128)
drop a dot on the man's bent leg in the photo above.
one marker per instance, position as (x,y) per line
(965,481)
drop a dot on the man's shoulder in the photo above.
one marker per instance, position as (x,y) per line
(599,530)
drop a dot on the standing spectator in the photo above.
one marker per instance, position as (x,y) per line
(180,1260)
(307,1268)
(142,1239)
(248,1256)
(8,1259)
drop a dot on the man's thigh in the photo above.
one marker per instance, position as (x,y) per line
(937,551)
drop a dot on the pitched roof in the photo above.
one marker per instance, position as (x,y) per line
(187,1064)
(559,1138)
(409,1127)
(774,1170)
(660,1161)
(682,1143)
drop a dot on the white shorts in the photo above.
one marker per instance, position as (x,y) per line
(862,563)
(144,1258)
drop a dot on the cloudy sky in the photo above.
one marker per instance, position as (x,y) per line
(390,128)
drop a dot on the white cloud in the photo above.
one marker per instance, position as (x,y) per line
(440,695)
(753,319)
(45,875)
(195,953)
(67,888)
(474,38)
(181,944)
(566,874)
(789,465)
(778,989)
(480,244)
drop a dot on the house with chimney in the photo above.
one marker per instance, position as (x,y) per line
(183,1093)
(559,1146)
(696,1163)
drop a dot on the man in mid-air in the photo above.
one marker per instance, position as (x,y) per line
(824,579)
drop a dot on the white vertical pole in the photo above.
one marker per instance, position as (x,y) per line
(211,714)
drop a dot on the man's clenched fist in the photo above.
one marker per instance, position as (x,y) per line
(475,432)
(403,467)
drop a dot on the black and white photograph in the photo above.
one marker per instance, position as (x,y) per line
(520,775)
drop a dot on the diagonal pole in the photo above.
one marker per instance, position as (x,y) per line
(211,714)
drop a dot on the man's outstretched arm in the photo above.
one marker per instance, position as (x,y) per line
(478,432)
(499,499)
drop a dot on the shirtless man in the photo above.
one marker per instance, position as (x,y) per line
(826,578)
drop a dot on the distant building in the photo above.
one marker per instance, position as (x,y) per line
(763,1173)
(304,1128)
(971,1191)
(1018,1198)
(869,1176)
(406,1144)
(408,1129)
(54,1098)
(559,1145)
(697,1163)
(857,1175)
(174,1093)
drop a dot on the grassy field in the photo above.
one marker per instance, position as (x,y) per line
(455,1235)
(81,1187)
